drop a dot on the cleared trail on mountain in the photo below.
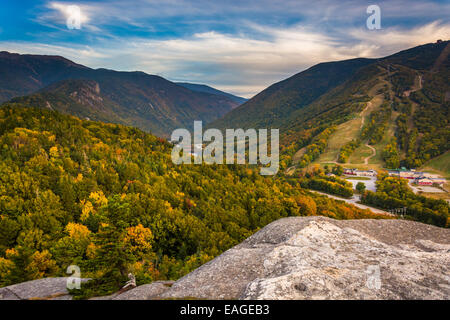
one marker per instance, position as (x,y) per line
(417,86)
(366,160)
(363,115)
(369,104)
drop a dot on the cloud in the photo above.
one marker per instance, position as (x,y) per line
(325,13)
(67,10)
(80,54)
(395,39)
(241,47)
(58,14)
(246,65)
(241,64)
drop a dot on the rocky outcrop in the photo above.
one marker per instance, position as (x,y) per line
(321,258)
(42,289)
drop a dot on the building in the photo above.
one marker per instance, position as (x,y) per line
(423,181)
(393,173)
(366,173)
(410,174)
(420,178)
(360,173)
(351,172)
(406,174)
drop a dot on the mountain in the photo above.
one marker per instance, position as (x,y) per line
(208,89)
(74,191)
(82,98)
(149,102)
(404,96)
(276,103)
(24,74)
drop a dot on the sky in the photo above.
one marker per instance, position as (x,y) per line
(237,46)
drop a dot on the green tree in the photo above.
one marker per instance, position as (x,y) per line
(360,187)
(111,256)
(338,170)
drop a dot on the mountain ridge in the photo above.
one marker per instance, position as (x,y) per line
(147,101)
(308,106)
(208,89)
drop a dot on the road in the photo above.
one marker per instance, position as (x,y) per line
(354,201)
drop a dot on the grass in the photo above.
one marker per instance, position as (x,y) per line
(439,165)
(388,134)
(358,156)
(347,131)
(298,155)
(438,196)
(344,133)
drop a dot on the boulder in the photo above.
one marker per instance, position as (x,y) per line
(42,289)
(323,258)
(304,258)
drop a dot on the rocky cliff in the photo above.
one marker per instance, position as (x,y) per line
(317,258)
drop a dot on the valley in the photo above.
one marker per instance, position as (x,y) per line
(212,158)
(86,175)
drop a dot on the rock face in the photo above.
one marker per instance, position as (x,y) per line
(144,292)
(320,258)
(42,289)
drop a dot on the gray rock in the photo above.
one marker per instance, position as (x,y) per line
(304,258)
(6,294)
(322,258)
(143,292)
(146,291)
(48,288)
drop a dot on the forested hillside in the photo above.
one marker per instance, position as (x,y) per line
(208,89)
(411,94)
(146,101)
(107,198)
(276,104)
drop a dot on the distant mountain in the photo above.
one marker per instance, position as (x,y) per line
(24,74)
(276,103)
(147,101)
(208,89)
(81,98)
(409,94)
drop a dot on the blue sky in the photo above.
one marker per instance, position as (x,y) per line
(237,46)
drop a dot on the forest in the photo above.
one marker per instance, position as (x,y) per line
(332,185)
(394,193)
(107,198)
(423,130)
(316,147)
(375,127)
(347,149)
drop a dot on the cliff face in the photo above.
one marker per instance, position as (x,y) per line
(321,258)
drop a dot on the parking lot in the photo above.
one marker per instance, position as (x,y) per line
(428,189)
(370,184)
